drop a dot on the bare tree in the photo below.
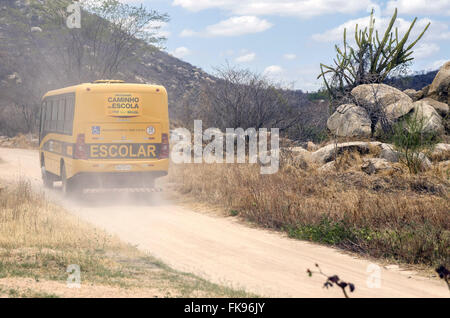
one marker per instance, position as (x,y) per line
(112,35)
(241,98)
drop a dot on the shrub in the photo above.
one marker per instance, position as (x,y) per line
(413,142)
(371,61)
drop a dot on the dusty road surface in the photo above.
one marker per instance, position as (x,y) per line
(221,249)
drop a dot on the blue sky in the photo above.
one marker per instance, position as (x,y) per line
(288,39)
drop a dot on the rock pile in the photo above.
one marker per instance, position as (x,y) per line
(430,104)
(377,156)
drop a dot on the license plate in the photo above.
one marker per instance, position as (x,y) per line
(123,167)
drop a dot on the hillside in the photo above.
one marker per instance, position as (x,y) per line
(415,81)
(31,56)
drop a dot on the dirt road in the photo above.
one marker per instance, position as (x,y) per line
(224,251)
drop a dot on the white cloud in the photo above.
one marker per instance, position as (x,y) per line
(273,70)
(424,50)
(238,26)
(246,58)
(289,56)
(181,52)
(187,33)
(381,23)
(300,8)
(427,46)
(422,7)
(233,26)
(435,65)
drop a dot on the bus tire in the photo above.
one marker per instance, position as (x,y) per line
(69,187)
(46,178)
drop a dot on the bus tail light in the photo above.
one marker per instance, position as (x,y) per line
(164,146)
(80,148)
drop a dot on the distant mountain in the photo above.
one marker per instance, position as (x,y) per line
(416,81)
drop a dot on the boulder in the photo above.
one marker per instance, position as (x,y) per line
(350,120)
(300,153)
(439,88)
(420,94)
(327,153)
(35,30)
(425,162)
(375,165)
(441,108)
(412,93)
(441,152)
(328,167)
(425,90)
(389,154)
(398,109)
(310,146)
(15,77)
(444,165)
(432,120)
(394,102)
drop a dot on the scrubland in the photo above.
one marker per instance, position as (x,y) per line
(392,215)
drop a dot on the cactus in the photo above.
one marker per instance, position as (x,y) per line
(371,61)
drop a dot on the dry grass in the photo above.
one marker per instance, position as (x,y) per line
(38,240)
(392,215)
(20,141)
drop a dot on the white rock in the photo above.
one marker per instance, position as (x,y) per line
(394,102)
(327,153)
(432,121)
(328,167)
(440,85)
(441,108)
(36,29)
(411,93)
(374,165)
(350,120)
(441,151)
(388,153)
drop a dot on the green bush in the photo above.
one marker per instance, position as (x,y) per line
(372,60)
(413,142)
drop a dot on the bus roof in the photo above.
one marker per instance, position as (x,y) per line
(106,86)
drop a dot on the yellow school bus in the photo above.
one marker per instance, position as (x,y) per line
(106,134)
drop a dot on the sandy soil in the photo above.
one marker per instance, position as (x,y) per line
(223,250)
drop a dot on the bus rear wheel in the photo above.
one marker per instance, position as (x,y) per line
(46,178)
(69,187)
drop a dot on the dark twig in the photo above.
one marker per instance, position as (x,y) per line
(334,280)
(444,274)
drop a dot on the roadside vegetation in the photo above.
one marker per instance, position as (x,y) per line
(397,215)
(39,240)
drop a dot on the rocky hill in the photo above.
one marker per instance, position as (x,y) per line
(415,81)
(29,60)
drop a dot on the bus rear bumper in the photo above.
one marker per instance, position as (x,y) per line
(118,174)
(122,166)
(114,180)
